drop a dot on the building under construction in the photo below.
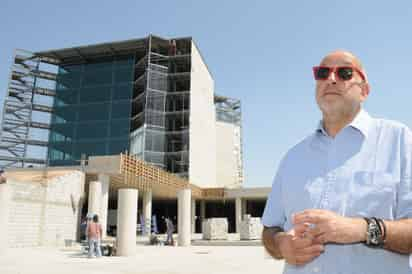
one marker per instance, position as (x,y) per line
(139,114)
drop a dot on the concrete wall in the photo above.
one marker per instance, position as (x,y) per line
(251,192)
(228,155)
(202,154)
(45,212)
(104,164)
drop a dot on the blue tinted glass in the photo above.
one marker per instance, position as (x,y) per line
(119,128)
(122,92)
(91,110)
(118,146)
(92,130)
(95,94)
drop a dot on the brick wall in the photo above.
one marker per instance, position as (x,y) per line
(45,212)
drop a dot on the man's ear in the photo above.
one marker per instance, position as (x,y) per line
(365,88)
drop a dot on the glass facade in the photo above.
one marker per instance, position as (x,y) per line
(92,109)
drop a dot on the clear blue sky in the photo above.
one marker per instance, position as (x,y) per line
(261,52)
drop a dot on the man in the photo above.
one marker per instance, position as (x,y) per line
(341,201)
(94,236)
(169,231)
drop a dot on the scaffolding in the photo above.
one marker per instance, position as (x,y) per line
(161,101)
(27,81)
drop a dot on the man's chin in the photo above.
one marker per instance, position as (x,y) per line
(331,108)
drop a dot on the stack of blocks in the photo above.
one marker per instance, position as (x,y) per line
(215,229)
(250,228)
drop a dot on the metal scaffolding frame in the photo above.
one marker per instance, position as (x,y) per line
(160,108)
(19,105)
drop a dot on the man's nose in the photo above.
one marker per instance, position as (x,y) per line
(332,77)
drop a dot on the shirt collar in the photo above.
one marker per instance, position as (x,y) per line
(361,122)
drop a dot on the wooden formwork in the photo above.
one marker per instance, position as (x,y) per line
(138,174)
(213,193)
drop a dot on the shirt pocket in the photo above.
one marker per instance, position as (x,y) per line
(373,194)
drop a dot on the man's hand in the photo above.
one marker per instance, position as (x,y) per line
(325,226)
(297,250)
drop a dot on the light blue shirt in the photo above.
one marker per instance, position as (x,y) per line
(365,171)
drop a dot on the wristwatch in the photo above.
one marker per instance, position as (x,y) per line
(374,237)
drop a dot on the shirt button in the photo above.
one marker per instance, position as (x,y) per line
(315,270)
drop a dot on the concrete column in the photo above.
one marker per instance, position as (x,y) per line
(4,216)
(105,181)
(238,213)
(95,197)
(193,219)
(244,207)
(202,214)
(126,222)
(147,211)
(183,216)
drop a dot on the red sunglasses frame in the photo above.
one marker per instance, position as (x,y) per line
(334,69)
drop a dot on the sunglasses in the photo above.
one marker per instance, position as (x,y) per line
(344,73)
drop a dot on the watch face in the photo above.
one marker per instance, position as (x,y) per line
(373,235)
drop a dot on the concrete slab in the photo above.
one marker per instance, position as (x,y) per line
(148,260)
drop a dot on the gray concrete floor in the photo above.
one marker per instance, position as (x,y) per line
(148,260)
